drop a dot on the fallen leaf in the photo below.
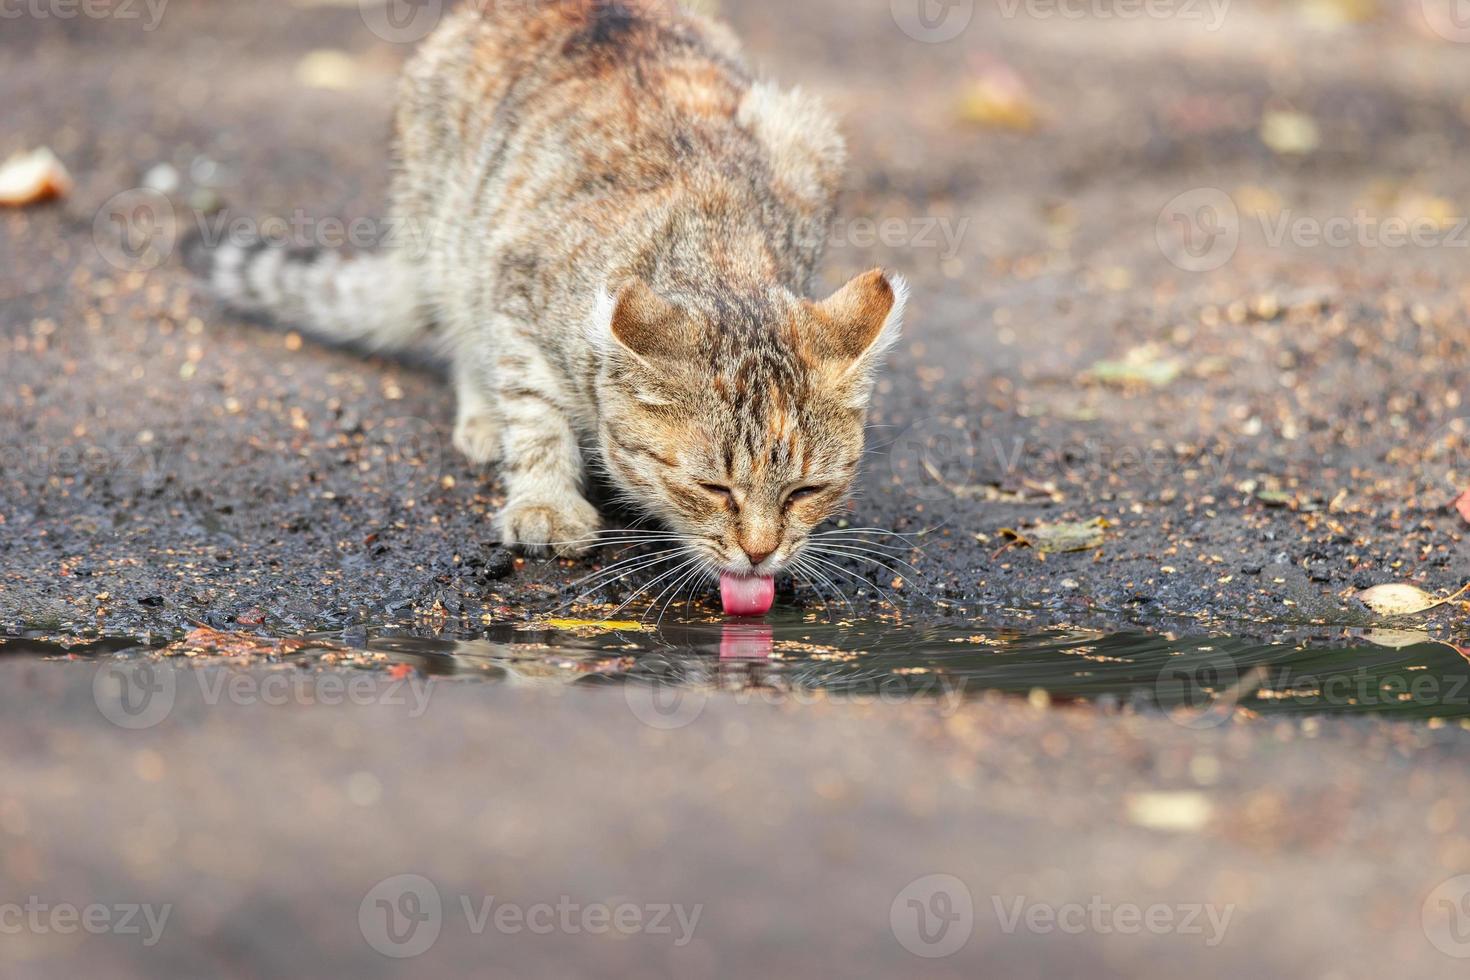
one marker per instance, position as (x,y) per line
(399,671)
(1183,811)
(600,625)
(28,178)
(1290,133)
(1276,498)
(1141,367)
(1058,538)
(998,98)
(1463,505)
(1401,599)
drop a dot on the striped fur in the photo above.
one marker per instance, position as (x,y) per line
(622,225)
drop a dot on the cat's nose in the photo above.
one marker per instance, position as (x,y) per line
(757,555)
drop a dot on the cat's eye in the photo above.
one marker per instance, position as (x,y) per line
(718,491)
(802,493)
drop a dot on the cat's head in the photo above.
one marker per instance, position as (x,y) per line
(739,421)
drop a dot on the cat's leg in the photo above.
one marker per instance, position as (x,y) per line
(540,454)
(477,428)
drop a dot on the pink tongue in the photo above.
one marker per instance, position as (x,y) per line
(747,595)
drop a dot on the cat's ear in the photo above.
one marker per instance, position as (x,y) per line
(856,325)
(640,322)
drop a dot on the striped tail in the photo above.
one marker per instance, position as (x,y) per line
(364,300)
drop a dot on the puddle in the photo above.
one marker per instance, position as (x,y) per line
(1200,681)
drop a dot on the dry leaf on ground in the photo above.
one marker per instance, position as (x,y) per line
(1057,538)
(1463,505)
(1141,367)
(1402,599)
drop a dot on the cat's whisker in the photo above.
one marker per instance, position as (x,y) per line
(797,568)
(826,580)
(887,596)
(648,586)
(885,532)
(872,557)
(624,569)
(691,574)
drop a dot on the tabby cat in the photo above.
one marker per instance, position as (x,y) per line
(617,227)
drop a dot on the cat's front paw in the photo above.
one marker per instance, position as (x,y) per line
(565,525)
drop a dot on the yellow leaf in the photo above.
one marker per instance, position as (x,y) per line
(1401,599)
(601,625)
